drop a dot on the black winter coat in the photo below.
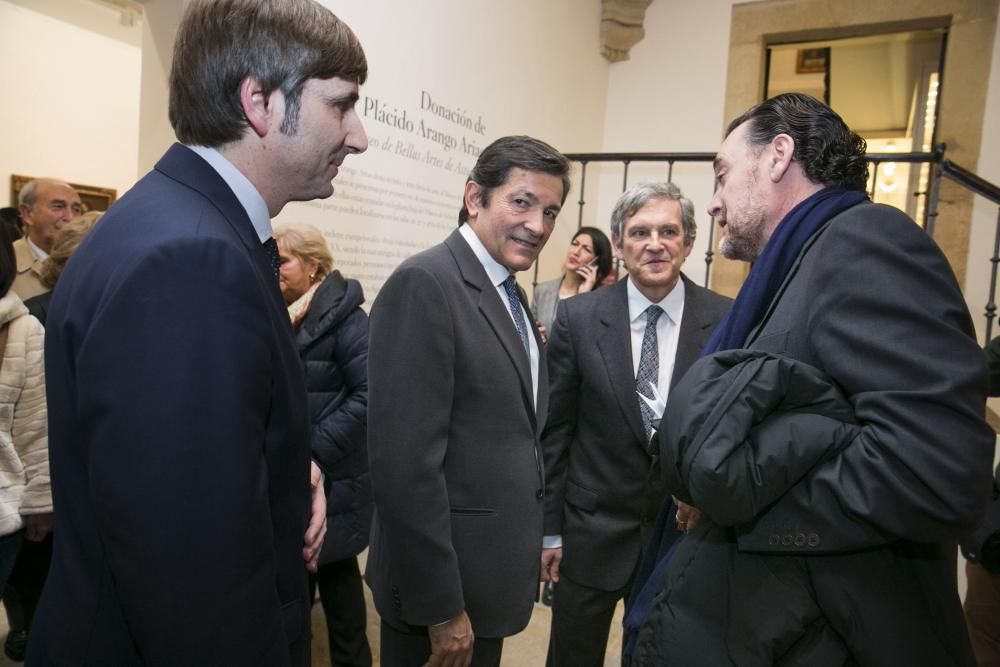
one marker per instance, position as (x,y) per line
(741,429)
(332,340)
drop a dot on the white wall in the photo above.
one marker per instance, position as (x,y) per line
(985,220)
(71,110)
(518,67)
(669,97)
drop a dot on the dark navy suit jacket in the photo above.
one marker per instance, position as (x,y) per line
(179,439)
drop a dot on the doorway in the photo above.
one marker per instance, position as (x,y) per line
(885,87)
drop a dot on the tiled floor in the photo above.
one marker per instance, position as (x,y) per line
(526,649)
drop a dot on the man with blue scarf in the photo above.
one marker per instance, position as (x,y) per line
(833,433)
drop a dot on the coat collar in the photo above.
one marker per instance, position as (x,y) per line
(334,299)
(183,165)
(615,344)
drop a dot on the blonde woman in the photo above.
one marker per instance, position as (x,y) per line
(331,332)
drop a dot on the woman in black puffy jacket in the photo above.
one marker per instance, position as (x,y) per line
(331,332)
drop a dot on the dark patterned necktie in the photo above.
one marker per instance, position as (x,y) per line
(649,367)
(271,247)
(510,286)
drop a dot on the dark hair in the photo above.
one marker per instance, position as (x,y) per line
(11,223)
(282,43)
(8,266)
(828,151)
(602,249)
(520,152)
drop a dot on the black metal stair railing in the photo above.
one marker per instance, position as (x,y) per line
(939,168)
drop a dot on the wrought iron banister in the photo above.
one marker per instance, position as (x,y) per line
(971,181)
(939,168)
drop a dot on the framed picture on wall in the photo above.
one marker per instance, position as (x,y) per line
(94,198)
(812,61)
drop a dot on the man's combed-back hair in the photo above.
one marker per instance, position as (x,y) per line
(516,152)
(281,43)
(828,151)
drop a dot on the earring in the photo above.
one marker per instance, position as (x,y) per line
(312,277)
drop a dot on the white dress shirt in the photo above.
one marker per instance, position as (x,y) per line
(241,186)
(39,254)
(667,330)
(498,273)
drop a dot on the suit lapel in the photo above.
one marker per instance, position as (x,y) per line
(614,341)
(694,332)
(496,314)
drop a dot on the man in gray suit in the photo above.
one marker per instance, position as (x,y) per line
(596,443)
(457,401)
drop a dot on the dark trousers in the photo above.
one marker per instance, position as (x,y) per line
(10,545)
(581,620)
(24,586)
(343,600)
(411,647)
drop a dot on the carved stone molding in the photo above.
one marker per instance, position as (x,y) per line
(621,27)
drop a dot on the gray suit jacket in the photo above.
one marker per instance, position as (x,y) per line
(545,301)
(597,463)
(453,440)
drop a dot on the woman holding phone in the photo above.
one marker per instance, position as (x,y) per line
(587,263)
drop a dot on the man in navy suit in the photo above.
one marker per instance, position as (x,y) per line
(179,433)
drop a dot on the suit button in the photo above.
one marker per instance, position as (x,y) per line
(787,540)
(774,540)
(540,494)
(813,540)
(800,540)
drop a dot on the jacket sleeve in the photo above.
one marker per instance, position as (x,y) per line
(179,369)
(30,425)
(411,396)
(342,432)
(560,424)
(887,322)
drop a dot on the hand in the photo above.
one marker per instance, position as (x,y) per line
(542,332)
(550,564)
(687,516)
(37,526)
(589,274)
(317,522)
(451,643)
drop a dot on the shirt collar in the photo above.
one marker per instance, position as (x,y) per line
(241,186)
(39,254)
(672,304)
(494,269)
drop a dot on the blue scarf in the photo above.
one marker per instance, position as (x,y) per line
(762,284)
(769,271)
